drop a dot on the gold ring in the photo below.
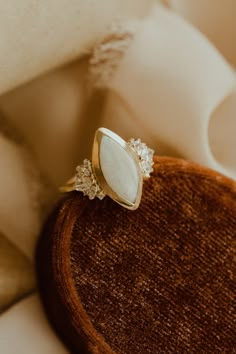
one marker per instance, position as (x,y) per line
(117,169)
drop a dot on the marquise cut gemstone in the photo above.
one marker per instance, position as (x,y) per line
(120,169)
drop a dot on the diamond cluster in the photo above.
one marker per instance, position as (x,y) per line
(85,181)
(145,156)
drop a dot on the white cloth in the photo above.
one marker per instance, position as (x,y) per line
(36,36)
(179,93)
(24,329)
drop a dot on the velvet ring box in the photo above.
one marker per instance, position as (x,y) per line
(160,279)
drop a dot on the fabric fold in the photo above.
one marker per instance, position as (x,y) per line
(215,19)
(170,80)
(36,36)
(24,329)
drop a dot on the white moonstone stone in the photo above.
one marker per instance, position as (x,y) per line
(119,169)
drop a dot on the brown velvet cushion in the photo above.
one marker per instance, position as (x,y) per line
(160,279)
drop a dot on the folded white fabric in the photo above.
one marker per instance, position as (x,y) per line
(48,114)
(214,18)
(176,90)
(24,329)
(25,191)
(36,36)
(16,274)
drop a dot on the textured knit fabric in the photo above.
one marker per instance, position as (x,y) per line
(160,279)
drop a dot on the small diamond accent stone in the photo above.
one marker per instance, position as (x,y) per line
(145,155)
(85,181)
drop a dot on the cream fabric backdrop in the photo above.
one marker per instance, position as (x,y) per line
(167,76)
(37,36)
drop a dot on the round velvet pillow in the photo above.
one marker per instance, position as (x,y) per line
(160,279)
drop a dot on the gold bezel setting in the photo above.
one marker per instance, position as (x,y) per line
(96,165)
